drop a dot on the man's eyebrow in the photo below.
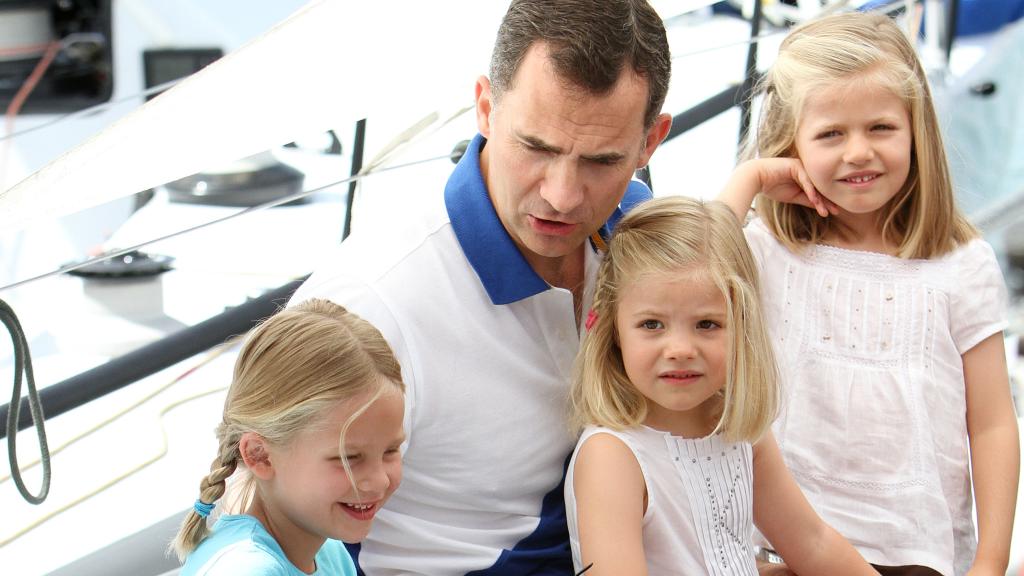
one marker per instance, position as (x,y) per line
(538,144)
(604,158)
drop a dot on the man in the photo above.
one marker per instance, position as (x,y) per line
(481,295)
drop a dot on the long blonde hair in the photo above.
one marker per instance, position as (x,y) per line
(665,236)
(922,220)
(294,367)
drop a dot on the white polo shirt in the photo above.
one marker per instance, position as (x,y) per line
(486,349)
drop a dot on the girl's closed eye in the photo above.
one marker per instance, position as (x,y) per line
(826,134)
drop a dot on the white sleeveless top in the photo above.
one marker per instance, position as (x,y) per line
(874,424)
(699,517)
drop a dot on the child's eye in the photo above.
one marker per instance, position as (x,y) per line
(883,127)
(827,134)
(707,325)
(651,324)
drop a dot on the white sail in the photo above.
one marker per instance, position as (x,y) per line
(330,63)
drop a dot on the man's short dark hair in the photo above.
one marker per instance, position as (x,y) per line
(590,43)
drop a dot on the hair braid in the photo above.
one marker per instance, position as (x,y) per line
(211,488)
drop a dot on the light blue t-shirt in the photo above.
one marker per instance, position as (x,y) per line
(239,544)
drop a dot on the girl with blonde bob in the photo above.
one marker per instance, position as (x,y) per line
(675,390)
(885,307)
(313,422)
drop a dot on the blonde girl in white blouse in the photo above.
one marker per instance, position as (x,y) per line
(676,388)
(884,306)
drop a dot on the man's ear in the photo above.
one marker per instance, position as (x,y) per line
(657,133)
(255,452)
(484,105)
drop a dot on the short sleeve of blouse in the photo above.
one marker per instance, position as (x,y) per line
(979,304)
(761,242)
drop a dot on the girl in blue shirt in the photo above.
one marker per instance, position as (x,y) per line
(313,419)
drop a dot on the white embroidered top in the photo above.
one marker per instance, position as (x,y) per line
(874,426)
(699,517)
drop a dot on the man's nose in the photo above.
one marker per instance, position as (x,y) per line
(563,186)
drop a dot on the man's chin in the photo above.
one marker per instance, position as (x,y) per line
(554,247)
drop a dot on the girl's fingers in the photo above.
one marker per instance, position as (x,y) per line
(833,208)
(818,202)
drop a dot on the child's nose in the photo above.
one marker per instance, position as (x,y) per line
(858,150)
(680,346)
(375,482)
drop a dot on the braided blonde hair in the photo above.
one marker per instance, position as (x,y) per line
(294,367)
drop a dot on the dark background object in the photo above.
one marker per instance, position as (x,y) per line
(164,65)
(134,264)
(244,187)
(984,89)
(81,75)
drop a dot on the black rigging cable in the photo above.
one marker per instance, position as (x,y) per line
(23,363)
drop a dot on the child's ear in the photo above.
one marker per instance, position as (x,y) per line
(256,455)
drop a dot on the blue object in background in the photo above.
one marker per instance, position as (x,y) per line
(981,16)
(974,16)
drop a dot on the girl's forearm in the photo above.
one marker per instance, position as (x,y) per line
(740,190)
(995,464)
(829,553)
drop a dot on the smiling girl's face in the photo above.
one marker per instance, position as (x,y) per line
(854,140)
(312,492)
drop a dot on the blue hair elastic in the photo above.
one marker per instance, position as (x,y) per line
(202,508)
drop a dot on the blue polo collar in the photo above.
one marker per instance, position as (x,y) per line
(502,269)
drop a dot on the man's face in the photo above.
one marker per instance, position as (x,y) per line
(557,159)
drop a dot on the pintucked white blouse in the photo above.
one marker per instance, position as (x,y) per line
(874,425)
(699,517)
